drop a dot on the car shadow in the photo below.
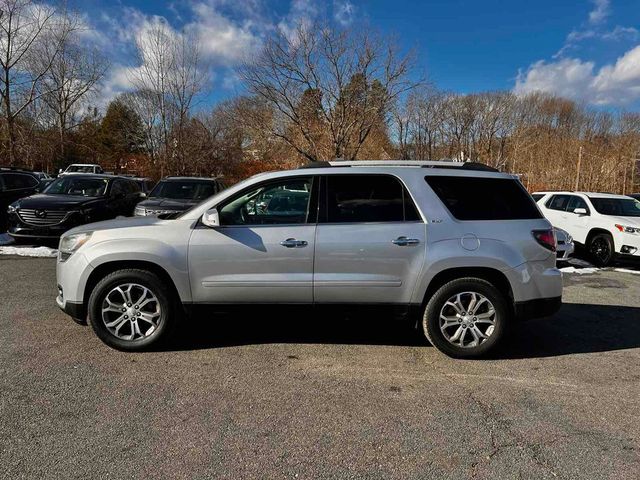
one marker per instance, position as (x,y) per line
(576,328)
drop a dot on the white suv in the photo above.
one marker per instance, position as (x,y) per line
(460,244)
(607,225)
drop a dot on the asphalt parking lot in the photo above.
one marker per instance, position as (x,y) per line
(259,396)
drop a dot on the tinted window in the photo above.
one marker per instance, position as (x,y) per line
(70,185)
(16,181)
(558,202)
(576,202)
(367,198)
(282,202)
(472,198)
(537,196)
(623,207)
(82,169)
(184,190)
(133,187)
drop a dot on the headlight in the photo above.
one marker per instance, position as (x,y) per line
(140,212)
(70,243)
(12,208)
(627,229)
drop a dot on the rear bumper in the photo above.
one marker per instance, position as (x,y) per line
(540,307)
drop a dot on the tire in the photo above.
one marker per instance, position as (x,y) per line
(117,328)
(601,250)
(469,327)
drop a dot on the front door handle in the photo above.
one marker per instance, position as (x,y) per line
(293,243)
(404,241)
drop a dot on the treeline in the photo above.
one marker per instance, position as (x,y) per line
(314,93)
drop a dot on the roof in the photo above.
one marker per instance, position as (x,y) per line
(205,179)
(403,163)
(83,165)
(588,194)
(105,176)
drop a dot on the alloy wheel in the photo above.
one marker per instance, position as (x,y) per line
(131,311)
(467,319)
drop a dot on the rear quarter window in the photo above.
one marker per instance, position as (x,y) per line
(475,198)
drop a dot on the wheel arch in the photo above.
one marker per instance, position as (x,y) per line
(597,230)
(106,268)
(492,275)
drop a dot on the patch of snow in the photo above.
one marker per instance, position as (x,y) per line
(580,271)
(29,251)
(578,262)
(626,270)
(5,239)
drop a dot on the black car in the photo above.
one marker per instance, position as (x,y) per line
(177,194)
(636,196)
(14,184)
(70,201)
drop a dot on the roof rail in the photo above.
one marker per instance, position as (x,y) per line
(401,163)
(21,169)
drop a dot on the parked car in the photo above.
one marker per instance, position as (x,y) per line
(43,176)
(70,201)
(439,241)
(15,183)
(564,244)
(635,195)
(146,185)
(607,225)
(76,168)
(173,195)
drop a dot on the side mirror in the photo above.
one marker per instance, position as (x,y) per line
(580,211)
(143,195)
(211,218)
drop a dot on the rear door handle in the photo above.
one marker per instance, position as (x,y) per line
(293,243)
(404,241)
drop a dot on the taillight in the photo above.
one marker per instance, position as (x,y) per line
(546,238)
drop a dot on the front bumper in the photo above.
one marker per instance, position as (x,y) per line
(19,229)
(72,276)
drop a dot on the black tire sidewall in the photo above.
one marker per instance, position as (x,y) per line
(609,239)
(431,317)
(141,277)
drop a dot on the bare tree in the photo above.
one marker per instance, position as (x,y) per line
(170,75)
(348,79)
(74,72)
(24,26)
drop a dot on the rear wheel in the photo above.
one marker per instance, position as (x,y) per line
(466,318)
(131,310)
(601,250)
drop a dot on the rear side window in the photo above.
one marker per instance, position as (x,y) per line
(368,198)
(473,198)
(537,196)
(16,181)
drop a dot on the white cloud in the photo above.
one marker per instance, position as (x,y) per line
(343,12)
(600,11)
(613,84)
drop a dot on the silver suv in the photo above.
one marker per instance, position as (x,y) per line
(463,245)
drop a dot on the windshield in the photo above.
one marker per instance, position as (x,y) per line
(80,169)
(622,207)
(184,190)
(87,187)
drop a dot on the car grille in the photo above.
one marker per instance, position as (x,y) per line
(41,217)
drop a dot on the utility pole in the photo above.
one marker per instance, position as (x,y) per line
(578,169)
(634,163)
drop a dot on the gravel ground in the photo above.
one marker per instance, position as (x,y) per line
(257,396)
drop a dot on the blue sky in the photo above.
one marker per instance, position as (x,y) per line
(588,50)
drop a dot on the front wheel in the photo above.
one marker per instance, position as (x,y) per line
(131,310)
(466,318)
(601,249)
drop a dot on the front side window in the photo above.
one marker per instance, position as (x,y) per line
(558,202)
(88,187)
(622,207)
(367,198)
(283,202)
(81,169)
(576,202)
(477,198)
